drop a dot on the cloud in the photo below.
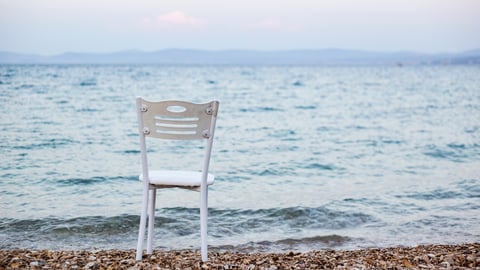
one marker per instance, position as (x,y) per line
(172,21)
(179,18)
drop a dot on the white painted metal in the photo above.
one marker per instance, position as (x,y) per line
(174,120)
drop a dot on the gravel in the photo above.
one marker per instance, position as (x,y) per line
(460,256)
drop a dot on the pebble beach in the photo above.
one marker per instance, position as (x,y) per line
(459,256)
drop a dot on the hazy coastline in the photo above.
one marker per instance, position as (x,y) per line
(248,57)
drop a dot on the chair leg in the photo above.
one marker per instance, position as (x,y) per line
(203,222)
(143,221)
(151,221)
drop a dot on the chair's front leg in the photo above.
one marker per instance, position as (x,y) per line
(151,220)
(143,223)
(203,222)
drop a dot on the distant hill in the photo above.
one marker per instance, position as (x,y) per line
(247,57)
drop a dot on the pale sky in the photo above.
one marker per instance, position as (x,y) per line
(56,26)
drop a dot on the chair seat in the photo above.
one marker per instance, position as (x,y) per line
(177,178)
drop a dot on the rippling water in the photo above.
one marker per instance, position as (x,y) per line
(305,157)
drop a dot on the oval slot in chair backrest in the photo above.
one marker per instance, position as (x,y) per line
(177,120)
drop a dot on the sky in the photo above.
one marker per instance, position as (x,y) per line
(50,27)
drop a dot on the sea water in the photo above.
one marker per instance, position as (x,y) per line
(305,157)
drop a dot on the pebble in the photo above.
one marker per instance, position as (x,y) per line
(461,256)
(91,265)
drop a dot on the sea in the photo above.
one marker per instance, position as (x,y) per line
(305,157)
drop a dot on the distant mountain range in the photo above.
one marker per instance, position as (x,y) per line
(248,57)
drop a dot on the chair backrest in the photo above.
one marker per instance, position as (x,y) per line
(177,120)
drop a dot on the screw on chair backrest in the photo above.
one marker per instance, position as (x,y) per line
(177,120)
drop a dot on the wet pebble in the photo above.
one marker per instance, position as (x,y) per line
(422,257)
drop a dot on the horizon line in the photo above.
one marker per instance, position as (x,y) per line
(243,50)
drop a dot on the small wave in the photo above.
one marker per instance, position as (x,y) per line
(470,188)
(333,239)
(267,172)
(386,141)
(141,74)
(50,143)
(318,166)
(293,219)
(97,225)
(50,123)
(455,152)
(306,107)
(53,75)
(131,151)
(284,135)
(461,190)
(10,73)
(92,225)
(297,83)
(456,146)
(221,221)
(91,181)
(60,102)
(436,153)
(87,110)
(437,194)
(261,109)
(472,129)
(123,229)
(289,244)
(24,86)
(82,182)
(88,82)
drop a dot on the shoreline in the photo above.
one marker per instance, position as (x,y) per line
(457,256)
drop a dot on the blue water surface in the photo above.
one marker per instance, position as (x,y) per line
(304,157)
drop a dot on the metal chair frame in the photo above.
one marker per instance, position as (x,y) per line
(174,120)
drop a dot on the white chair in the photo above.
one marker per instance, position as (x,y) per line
(174,120)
